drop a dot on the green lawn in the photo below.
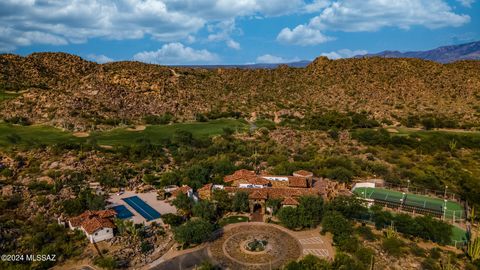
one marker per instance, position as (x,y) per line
(157,133)
(423,134)
(232,219)
(458,235)
(265,123)
(5,96)
(23,135)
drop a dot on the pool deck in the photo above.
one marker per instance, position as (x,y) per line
(150,198)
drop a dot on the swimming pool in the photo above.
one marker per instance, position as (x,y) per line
(142,208)
(122,212)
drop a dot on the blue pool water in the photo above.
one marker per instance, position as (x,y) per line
(122,212)
(142,208)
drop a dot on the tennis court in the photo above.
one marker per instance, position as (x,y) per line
(412,202)
(142,208)
(122,212)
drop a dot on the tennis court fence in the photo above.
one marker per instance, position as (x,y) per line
(447,210)
(424,191)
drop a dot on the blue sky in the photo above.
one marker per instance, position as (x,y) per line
(233,31)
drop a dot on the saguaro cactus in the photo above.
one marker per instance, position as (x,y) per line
(473,246)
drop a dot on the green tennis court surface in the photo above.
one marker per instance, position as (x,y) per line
(412,201)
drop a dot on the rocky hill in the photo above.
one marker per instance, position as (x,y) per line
(445,54)
(67,91)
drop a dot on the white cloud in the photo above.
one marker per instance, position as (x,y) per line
(61,22)
(176,54)
(344,53)
(233,44)
(222,31)
(11,38)
(302,35)
(466,3)
(272,59)
(373,15)
(101,59)
(30,22)
(316,5)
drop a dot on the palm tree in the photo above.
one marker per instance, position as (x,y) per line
(121,227)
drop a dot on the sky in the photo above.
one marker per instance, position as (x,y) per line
(182,32)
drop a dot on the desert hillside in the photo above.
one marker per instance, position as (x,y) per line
(66,91)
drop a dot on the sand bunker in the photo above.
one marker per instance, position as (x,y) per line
(81,134)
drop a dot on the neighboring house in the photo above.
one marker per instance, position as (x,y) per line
(185,190)
(97,188)
(97,225)
(205,192)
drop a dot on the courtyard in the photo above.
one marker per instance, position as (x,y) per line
(251,245)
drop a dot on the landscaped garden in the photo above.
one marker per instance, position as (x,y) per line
(232,219)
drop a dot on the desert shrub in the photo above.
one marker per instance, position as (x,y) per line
(19,120)
(366,233)
(164,119)
(105,262)
(393,246)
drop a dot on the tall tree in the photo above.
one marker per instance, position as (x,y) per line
(240,202)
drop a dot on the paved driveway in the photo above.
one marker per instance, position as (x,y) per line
(185,261)
(314,243)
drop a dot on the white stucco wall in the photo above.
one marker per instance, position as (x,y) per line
(100,235)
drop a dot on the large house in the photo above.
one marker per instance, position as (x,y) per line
(263,187)
(97,225)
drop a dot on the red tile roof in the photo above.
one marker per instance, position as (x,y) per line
(295,181)
(240,175)
(276,193)
(290,201)
(303,173)
(258,195)
(107,213)
(258,181)
(206,187)
(92,221)
(183,189)
(94,224)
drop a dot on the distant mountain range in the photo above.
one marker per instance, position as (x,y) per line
(67,91)
(300,64)
(445,54)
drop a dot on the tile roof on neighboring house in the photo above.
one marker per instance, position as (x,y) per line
(290,201)
(107,213)
(94,224)
(206,187)
(183,189)
(295,181)
(92,221)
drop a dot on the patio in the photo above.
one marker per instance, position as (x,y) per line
(150,198)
